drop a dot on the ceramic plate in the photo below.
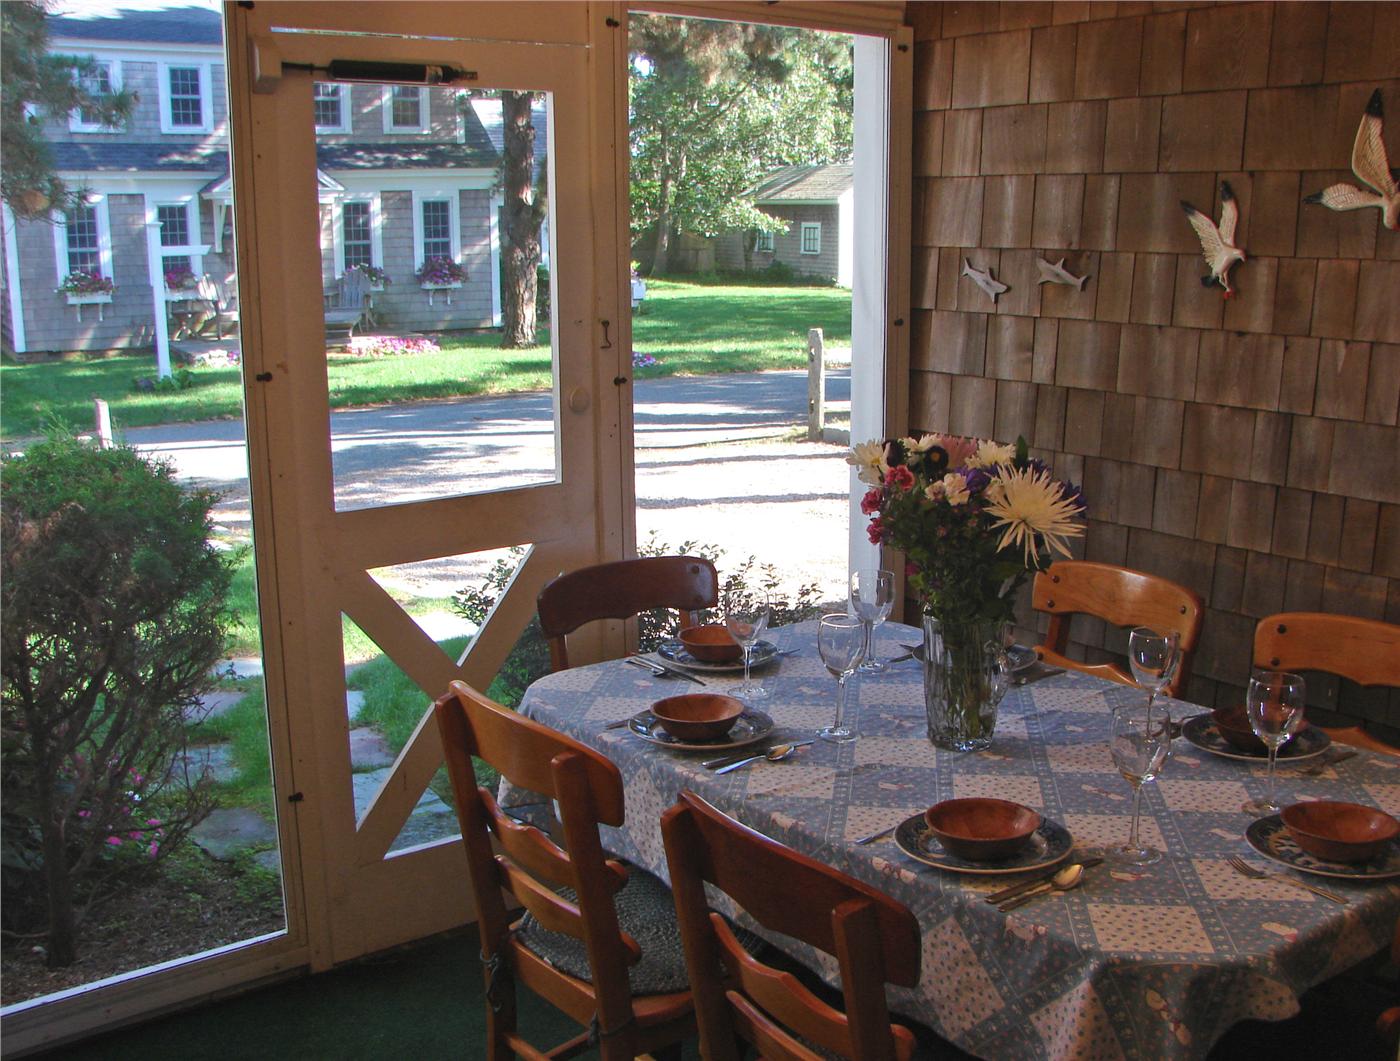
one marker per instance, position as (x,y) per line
(763,652)
(1306,744)
(751,726)
(1270,838)
(1049,844)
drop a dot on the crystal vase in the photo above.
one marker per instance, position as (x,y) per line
(966,673)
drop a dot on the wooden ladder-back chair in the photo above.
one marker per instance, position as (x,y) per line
(1366,651)
(1121,597)
(577,945)
(874,939)
(621,590)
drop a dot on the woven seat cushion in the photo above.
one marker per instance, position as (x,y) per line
(646,912)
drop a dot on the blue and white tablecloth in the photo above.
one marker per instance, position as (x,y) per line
(1149,963)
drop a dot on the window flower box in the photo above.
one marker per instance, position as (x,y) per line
(87,289)
(440,274)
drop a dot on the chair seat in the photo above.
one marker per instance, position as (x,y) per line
(646,912)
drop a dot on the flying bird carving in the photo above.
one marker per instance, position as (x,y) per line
(1056,273)
(1370,164)
(1218,242)
(983,278)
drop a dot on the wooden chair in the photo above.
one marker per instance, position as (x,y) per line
(621,590)
(1119,596)
(1365,651)
(348,305)
(584,910)
(223,307)
(874,939)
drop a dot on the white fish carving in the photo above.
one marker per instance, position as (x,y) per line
(1372,167)
(983,279)
(1056,273)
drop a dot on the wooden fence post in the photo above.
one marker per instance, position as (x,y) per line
(103,420)
(816,384)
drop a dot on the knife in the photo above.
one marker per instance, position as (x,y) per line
(1013,890)
(675,672)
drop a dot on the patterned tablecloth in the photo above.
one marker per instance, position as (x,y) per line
(1152,963)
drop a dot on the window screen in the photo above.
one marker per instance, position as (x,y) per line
(84,253)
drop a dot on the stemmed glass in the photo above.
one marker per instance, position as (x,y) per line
(841,641)
(872,597)
(1154,658)
(1140,740)
(746,617)
(1274,703)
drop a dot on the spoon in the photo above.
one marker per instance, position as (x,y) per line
(775,754)
(1067,878)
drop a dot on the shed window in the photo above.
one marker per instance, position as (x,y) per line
(811,237)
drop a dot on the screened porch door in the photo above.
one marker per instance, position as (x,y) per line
(343,509)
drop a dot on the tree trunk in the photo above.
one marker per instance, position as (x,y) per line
(63,925)
(520,223)
(673,176)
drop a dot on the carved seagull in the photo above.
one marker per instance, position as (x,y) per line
(1218,243)
(1056,273)
(983,279)
(1370,164)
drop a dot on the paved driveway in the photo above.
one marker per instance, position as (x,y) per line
(718,461)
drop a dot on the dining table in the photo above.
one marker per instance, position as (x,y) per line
(1155,961)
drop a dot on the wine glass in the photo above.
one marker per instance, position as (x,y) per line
(1154,658)
(872,597)
(1140,740)
(1274,703)
(746,617)
(841,641)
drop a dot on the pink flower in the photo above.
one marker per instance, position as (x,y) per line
(153,850)
(870,503)
(84,814)
(152,822)
(135,836)
(910,568)
(875,532)
(901,478)
(114,841)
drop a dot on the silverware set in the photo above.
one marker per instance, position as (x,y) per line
(1026,890)
(776,753)
(661,670)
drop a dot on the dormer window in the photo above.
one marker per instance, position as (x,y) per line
(186,101)
(405,109)
(104,79)
(328,108)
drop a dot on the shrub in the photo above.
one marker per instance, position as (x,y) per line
(530,657)
(113,605)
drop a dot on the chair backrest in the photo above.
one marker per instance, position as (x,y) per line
(354,289)
(874,939)
(621,590)
(1365,651)
(529,864)
(1119,596)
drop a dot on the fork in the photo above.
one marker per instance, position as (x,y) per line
(1244,869)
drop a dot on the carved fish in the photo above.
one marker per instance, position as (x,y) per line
(1370,164)
(1056,273)
(983,279)
(1218,242)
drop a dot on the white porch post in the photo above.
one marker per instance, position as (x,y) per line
(156,274)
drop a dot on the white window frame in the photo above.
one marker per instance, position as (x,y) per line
(376,230)
(75,116)
(343,94)
(764,243)
(206,98)
(387,103)
(454,212)
(193,250)
(809,226)
(104,239)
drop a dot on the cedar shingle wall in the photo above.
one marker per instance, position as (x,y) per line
(1248,449)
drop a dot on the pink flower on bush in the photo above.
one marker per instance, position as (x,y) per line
(114,841)
(153,850)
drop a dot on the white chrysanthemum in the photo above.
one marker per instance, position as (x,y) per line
(955,489)
(920,445)
(1031,505)
(869,457)
(991,454)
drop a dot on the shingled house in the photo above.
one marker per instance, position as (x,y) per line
(816,203)
(404,174)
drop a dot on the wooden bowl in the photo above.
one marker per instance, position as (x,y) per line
(1233,724)
(1339,832)
(697,716)
(710,644)
(981,829)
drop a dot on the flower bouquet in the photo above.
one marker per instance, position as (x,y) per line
(83,282)
(973,518)
(440,271)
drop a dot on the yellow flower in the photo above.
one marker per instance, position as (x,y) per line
(1030,504)
(869,457)
(990,454)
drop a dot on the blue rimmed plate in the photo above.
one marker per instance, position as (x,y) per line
(763,652)
(1049,844)
(1201,732)
(1270,838)
(749,728)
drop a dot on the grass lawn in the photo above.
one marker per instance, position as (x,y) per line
(691,329)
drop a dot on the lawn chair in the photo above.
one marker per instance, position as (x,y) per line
(348,306)
(223,307)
